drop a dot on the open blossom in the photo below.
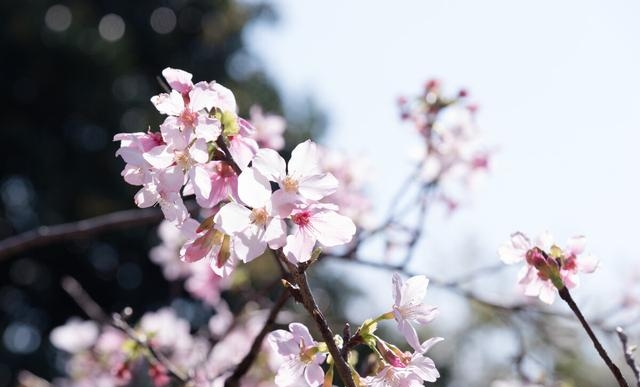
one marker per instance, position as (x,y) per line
(405,369)
(408,306)
(545,261)
(252,229)
(316,222)
(302,356)
(300,179)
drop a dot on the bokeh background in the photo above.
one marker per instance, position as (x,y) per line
(557,85)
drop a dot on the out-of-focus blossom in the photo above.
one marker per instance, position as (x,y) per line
(548,267)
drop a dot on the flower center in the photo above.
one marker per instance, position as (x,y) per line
(290,184)
(182,159)
(301,218)
(224,170)
(188,117)
(258,216)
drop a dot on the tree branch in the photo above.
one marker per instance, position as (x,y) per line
(566,296)
(95,312)
(250,357)
(46,235)
(309,303)
(628,354)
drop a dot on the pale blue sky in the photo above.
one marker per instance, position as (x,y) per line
(558,83)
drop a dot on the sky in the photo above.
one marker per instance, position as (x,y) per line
(558,88)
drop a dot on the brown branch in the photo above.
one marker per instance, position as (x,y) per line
(250,357)
(95,312)
(566,296)
(310,304)
(628,354)
(46,235)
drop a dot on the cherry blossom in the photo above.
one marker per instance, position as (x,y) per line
(268,128)
(302,356)
(302,177)
(408,306)
(252,229)
(316,222)
(546,263)
(75,336)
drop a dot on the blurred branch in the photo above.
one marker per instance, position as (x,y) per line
(628,354)
(95,312)
(250,357)
(47,235)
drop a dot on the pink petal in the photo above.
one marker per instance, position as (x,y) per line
(145,198)
(397,289)
(170,104)
(201,181)
(304,160)
(201,97)
(208,128)
(289,373)
(314,375)
(159,157)
(332,229)
(276,233)
(250,244)
(233,218)
(299,246)
(270,164)
(316,187)
(253,188)
(178,80)
(576,245)
(199,151)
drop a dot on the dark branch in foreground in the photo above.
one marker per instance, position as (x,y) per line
(250,358)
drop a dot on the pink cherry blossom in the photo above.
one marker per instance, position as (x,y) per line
(316,222)
(302,177)
(268,128)
(256,227)
(163,187)
(301,356)
(534,281)
(408,306)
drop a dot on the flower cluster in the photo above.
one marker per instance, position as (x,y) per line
(302,356)
(104,356)
(548,267)
(453,152)
(205,149)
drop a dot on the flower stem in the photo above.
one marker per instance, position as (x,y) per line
(566,296)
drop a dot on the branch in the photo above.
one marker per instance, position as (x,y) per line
(566,296)
(250,357)
(227,155)
(309,303)
(628,355)
(46,235)
(93,310)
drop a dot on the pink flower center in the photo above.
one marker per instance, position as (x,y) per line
(224,170)
(258,216)
(301,218)
(290,184)
(188,117)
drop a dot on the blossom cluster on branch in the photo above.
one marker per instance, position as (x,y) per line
(253,204)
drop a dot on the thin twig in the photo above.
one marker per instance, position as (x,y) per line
(566,296)
(628,354)
(95,312)
(250,357)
